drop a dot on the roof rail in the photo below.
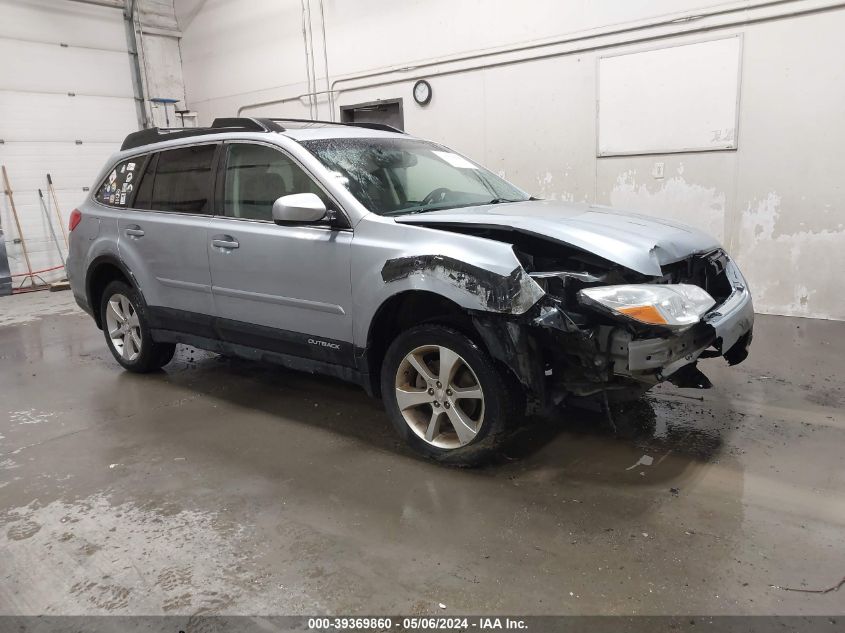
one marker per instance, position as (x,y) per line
(247,123)
(232,124)
(384,127)
(372,126)
(218,126)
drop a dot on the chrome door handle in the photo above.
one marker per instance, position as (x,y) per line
(224,241)
(134,231)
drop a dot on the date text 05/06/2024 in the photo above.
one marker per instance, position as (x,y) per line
(415,623)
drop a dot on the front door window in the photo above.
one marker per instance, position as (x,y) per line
(256,176)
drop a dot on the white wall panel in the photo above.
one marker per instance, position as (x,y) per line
(71,166)
(72,23)
(85,71)
(33,116)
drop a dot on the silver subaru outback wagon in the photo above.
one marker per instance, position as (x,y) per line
(360,252)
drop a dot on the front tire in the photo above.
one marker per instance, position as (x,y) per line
(445,397)
(123,315)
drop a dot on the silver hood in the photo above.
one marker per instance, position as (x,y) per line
(639,242)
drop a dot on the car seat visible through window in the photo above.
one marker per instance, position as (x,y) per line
(257,192)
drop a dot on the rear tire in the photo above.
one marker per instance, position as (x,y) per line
(123,314)
(445,396)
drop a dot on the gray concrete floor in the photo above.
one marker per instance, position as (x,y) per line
(220,486)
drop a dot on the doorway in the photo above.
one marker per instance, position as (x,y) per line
(388,112)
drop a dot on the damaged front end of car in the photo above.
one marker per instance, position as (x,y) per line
(602,332)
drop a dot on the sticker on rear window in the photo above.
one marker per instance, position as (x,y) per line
(118,185)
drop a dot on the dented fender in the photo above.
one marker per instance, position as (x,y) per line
(513,293)
(477,274)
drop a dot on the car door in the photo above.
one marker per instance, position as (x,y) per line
(163,237)
(284,288)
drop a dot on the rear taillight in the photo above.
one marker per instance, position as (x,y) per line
(75,219)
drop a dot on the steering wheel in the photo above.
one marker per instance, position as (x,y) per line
(438,195)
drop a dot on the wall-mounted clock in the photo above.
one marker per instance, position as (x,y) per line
(422,92)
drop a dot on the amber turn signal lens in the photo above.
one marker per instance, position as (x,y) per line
(646,314)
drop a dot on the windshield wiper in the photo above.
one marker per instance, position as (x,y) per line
(413,210)
(410,211)
(500,201)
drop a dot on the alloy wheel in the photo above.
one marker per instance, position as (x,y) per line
(123,327)
(439,396)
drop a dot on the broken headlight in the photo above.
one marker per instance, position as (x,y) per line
(673,305)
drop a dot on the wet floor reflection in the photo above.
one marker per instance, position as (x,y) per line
(698,501)
(658,424)
(653,424)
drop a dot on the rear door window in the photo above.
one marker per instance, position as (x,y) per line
(116,191)
(183,180)
(144,188)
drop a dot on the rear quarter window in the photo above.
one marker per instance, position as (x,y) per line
(117,189)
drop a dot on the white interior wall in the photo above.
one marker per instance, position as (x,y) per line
(777,201)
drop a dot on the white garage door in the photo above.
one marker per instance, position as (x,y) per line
(66,103)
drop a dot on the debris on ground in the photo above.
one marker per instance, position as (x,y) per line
(835,587)
(645,460)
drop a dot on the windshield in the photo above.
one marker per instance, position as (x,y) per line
(395,176)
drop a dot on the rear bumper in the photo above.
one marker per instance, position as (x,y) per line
(83,303)
(77,283)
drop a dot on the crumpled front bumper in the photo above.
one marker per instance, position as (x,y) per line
(734,318)
(557,355)
(727,328)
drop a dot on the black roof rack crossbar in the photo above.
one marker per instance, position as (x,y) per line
(218,126)
(157,134)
